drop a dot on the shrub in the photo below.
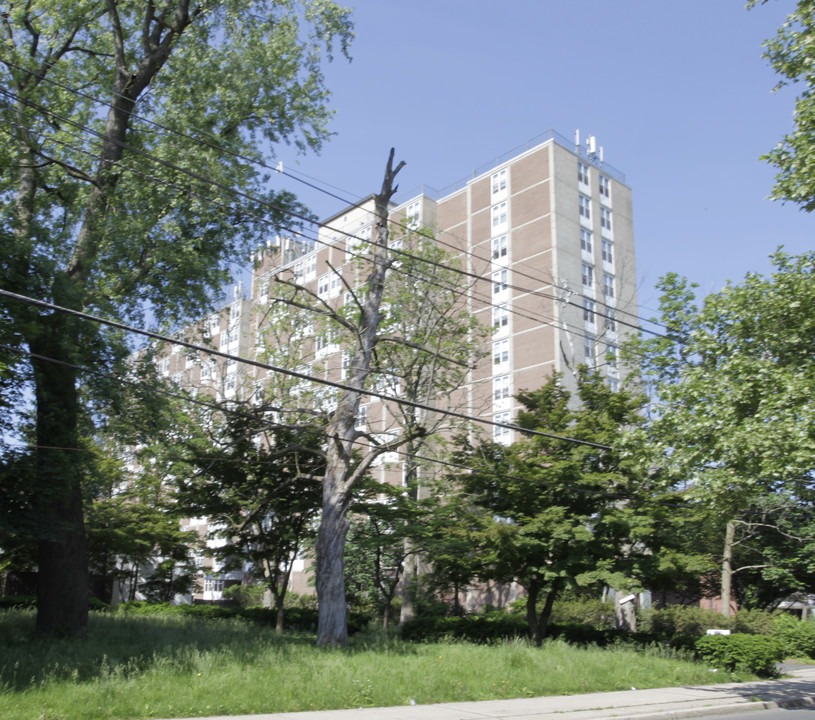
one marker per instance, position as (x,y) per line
(754,622)
(245,595)
(680,620)
(18,601)
(797,636)
(584,611)
(754,653)
(497,625)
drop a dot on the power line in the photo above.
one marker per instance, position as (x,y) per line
(306,219)
(581,332)
(231,410)
(284,371)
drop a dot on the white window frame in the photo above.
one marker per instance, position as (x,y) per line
(498,183)
(323,285)
(608,285)
(500,354)
(501,434)
(501,387)
(588,311)
(500,282)
(588,276)
(499,214)
(586,241)
(500,317)
(608,251)
(584,206)
(604,186)
(589,351)
(605,218)
(499,247)
(582,173)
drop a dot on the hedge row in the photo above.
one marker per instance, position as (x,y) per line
(297,619)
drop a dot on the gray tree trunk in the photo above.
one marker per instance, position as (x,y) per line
(727,567)
(341,432)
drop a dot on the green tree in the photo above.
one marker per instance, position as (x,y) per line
(260,488)
(383,518)
(556,514)
(406,334)
(105,212)
(733,423)
(792,54)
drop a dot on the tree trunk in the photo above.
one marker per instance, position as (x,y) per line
(332,629)
(62,555)
(727,567)
(409,584)
(341,432)
(531,612)
(542,625)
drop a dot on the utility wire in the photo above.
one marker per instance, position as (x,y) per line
(284,371)
(304,218)
(227,409)
(543,319)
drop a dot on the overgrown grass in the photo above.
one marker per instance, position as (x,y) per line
(176,666)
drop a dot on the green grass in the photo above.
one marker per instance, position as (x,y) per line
(175,666)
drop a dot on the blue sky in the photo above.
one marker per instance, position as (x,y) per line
(677,93)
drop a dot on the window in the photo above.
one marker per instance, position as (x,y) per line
(500,316)
(582,173)
(499,247)
(311,267)
(608,251)
(499,281)
(322,285)
(501,434)
(588,350)
(499,215)
(604,186)
(346,363)
(263,291)
(588,311)
(322,341)
(611,357)
(231,381)
(584,205)
(611,320)
(605,218)
(299,271)
(499,181)
(361,237)
(208,368)
(212,584)
(500,387)
(413,213)
(588,276)
(233,335)
(235,312)
(585,240)
(336,284)
(215,323)
(608,285)
(164,366)
(361,419)
(613,384)
(500,352)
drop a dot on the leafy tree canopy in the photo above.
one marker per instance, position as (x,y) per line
(792,54)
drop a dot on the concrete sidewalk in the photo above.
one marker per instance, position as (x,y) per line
(795,690)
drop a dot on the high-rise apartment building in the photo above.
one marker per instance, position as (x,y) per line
(545,245)
(545,239)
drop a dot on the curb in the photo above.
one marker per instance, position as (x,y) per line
(714,710)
